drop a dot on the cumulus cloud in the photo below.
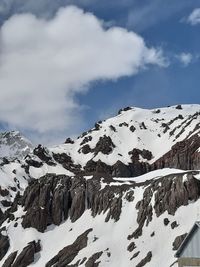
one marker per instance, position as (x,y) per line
(194,17)
(44,64)
(185,58)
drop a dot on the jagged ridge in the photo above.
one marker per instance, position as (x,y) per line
(77,190)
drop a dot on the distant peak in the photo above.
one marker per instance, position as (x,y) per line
(14,145)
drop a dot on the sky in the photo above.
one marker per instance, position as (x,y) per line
(66,64)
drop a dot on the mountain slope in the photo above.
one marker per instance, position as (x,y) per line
(119,195)
(14,145)
(135,133)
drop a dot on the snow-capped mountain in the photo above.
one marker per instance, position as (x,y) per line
(135,133)
(119,195)
(14,145)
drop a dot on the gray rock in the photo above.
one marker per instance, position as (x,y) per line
(4,245)
(67,254)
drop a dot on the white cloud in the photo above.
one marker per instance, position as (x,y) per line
(45,63)
(194,17)
(185,58)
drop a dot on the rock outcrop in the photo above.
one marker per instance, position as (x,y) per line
(4,245)
(67,254)
(169,193)
(178,240)
(54,198)
(145,260)
(91,193)
(183,155)
(25,258)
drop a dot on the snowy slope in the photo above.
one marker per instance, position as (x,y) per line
(110,237)
(130,218)
(155,130)
(14,145)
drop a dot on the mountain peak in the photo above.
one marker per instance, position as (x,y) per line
(155,130)
(131,180)
(14,145)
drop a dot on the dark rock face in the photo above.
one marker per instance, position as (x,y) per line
(135,255)
(145,212)
(104,145)
(179,107)
(69,141)
(4,161)
(4,192)
(136,153)
(1,216)
(170,193)
(183,155)
(119,169)
(174,224)
(63,158)
(52,199)
(67,163)
(46,201)
(42,153)
(137,167)
(123,124)
(132,128)
(67,254)
(86,149)
(178,240)
(97,167)
(92,260)
(115,209)
(78,198)
(86,140)
(9,261)
(6,203)
(131,246)
(143,126)
(145,260)
(4,245)
(32,162)
(107,200)
(124,109)
(112,128)
(25,258)
(179,194)
(166,221)
(90,166)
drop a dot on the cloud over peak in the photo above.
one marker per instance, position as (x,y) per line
(45,63)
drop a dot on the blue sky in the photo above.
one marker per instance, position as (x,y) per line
(171,27)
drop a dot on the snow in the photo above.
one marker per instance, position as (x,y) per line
(112,235)
(153,138)
(197,176)
(7,176)
(13,144)
(151,175)
(39,172)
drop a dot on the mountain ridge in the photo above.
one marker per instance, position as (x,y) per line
(131,180)
(14,145)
